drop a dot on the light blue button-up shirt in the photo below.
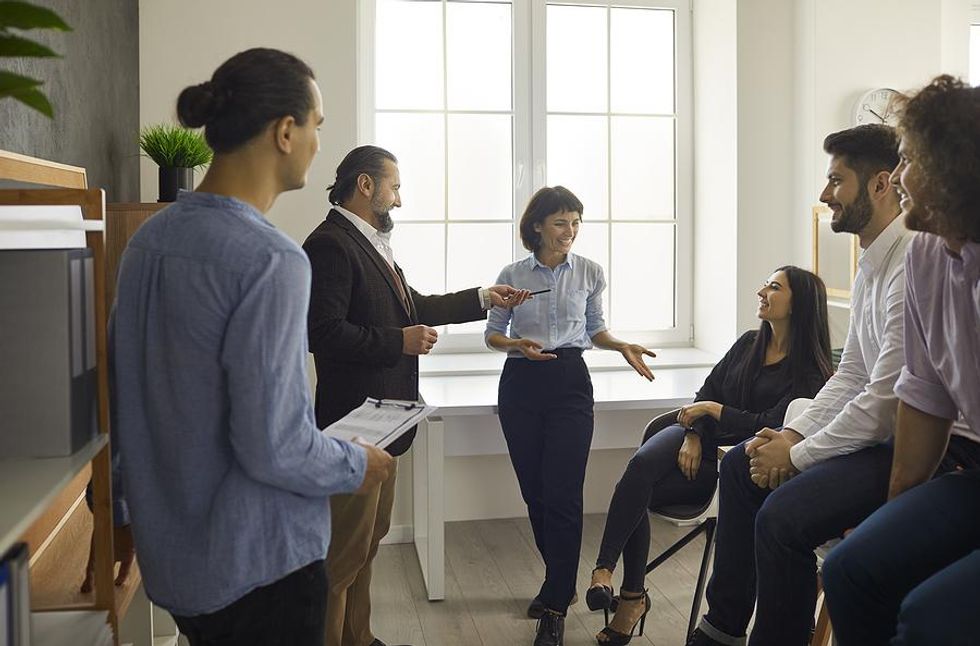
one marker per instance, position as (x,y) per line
(566,317)
(224,472)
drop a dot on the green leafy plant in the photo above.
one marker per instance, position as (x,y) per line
(173,146)
(24,16)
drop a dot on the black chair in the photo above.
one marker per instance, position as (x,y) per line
(703,516)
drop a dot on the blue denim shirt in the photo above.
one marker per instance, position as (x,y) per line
(224,473)
(566,317)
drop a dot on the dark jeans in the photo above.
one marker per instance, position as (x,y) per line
(911,572)
(765,540)
(287,612)
(652,479)
(546,412)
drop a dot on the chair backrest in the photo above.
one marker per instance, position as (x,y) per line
(796,408)
(659,423)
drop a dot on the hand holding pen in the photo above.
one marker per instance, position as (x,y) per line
(510,297)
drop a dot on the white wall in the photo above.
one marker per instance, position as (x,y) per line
(183,41)
(715,173)
(846,48)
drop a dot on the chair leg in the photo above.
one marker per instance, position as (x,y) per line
(822,631)
(673,549)
(709,544)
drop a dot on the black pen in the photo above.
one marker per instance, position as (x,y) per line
(540,291)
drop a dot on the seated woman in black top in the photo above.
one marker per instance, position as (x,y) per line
(750,388)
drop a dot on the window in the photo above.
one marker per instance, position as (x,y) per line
(975,48)
(485,101)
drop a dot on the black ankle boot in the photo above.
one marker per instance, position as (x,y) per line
(551,629)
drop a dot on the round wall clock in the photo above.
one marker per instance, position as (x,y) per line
(875,106)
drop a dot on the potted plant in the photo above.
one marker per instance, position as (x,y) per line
(177,151)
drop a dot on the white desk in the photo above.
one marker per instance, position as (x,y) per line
(471,395)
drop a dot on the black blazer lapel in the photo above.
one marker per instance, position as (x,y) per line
(380,263)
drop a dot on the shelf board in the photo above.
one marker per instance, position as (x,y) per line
(57,575)
(31,484)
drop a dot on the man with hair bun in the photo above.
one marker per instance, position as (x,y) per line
(226,476)
(910,574)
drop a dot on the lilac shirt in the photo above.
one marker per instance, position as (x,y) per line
(942,330)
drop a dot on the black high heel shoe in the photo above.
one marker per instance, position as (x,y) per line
(612,637)
(599,597)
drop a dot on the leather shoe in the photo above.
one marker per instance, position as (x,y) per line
(698,638)
(551,629)
(378,642)
(535,609)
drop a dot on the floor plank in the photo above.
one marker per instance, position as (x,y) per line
(493,570)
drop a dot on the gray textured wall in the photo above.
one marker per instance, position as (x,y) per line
(95,92)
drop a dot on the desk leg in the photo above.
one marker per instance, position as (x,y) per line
(428,504)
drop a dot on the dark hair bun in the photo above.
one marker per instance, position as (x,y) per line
(198,104)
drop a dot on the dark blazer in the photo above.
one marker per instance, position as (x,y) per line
(356,320)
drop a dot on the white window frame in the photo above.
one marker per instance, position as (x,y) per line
(530,143)
(974,22)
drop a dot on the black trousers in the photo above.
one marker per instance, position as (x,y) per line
(287,612)
(546,412)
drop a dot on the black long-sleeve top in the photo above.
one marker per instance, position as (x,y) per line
(771,392)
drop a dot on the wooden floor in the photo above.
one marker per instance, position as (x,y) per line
(492,572)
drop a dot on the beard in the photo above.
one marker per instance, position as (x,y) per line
(854,216)
(918,218)
(382,215)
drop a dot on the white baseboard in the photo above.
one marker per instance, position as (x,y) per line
(399,534)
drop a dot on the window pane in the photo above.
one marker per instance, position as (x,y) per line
(592,242)
(642,65)
(642,277)
(418,141)
(478,56)
(975,55)
(578,160)
(420,250)
(477,253)
(480,163)
(577,57)
(642,168)
(408,55)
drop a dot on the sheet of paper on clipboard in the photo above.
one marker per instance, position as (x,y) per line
(379,421)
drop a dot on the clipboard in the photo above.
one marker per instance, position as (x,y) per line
(379,421)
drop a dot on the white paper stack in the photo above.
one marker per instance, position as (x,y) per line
(71,628)
(44,227)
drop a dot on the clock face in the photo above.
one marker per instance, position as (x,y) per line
(876,106)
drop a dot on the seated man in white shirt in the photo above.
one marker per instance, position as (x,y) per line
(769,521)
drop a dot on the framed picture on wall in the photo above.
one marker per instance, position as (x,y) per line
(834,255)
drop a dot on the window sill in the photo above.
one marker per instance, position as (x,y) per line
(491,363)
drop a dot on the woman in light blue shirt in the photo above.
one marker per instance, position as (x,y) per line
(545,395)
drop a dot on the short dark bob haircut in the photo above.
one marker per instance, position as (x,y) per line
(547,201)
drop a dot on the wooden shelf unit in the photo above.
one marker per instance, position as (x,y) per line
(45,495)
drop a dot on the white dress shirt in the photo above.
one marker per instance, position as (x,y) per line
(857,406)
(382,242)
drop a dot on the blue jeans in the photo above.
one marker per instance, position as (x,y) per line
(910,574)
(765,541)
